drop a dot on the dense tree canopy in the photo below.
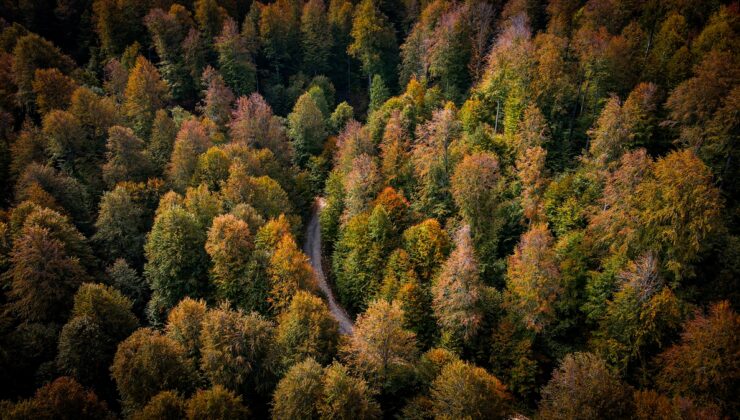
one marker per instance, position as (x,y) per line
(369,209)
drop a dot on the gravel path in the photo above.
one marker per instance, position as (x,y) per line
(312,248)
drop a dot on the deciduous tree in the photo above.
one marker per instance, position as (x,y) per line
(177,263)
(307,128)
(145,93)
(126,158)
(215,403)
(427,245)
(316,38)
(380,347)
(299,392)
(53,89)
(466,391)
(584,387)
(191,141)
(290,272)
(237,350)
(345,396)
(533,278)
(235,59)
(146,363)
(307,330)
(373,40)
(457,291)
(703,365)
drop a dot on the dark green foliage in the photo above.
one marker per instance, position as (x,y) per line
(120,227)
(177,263)
(101,318)
(235,60)
(378,93)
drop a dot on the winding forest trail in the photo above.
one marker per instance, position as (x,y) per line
(312,248)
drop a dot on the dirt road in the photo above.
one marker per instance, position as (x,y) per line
(312,248)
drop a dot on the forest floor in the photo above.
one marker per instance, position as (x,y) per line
(312,248)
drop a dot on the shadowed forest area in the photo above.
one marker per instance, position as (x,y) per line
(345,209)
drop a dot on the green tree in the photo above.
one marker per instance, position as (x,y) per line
(477,191)
(67,143)
(130,283)
(108,308)
(433,163)
(101,318)
(168,31)
(307,330)
(162,140)
(177,263)
(307,128)
(449,53)
(667,62)
(85,352)
(212,168)
(279,29)
(378,93)
(235,59)
(357,261)
(427,245)
(316,38)
(342,114)
(203,204)
(639,318)
(373,41)
(126,158)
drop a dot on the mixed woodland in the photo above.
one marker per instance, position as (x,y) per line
(528,208)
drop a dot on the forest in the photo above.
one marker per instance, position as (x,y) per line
(369,209)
